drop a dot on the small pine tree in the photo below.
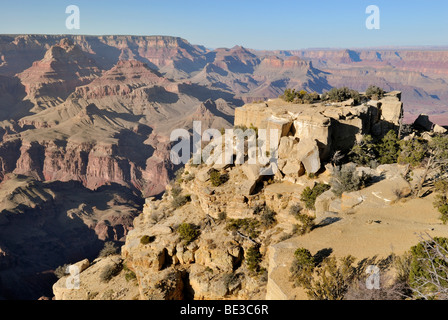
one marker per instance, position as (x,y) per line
(412,152)
(441,204)
(253,258)
(389,148)
(364,152)
(309,195)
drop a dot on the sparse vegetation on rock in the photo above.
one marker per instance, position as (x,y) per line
(147,239)
(441,204)
(341,94)
(268,217)
(374,92)
(302,96)
(110,271)
(253,258)
(248,226)
(309,195)
(389,148)
(109,249)
(217,179)
(180,201)
(364,152)
(61,271)
(412,152)
(347,179)
(429,269)
(325,277)
(188,232)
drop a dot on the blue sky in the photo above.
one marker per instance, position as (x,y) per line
(261,24)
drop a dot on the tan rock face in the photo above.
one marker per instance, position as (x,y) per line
(87,285)
(308,155)
(64,67)
(330,127)
(168,268)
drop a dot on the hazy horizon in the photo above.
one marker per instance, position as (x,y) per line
(259,25)
(379,47)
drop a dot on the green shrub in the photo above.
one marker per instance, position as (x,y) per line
(217,179)
(341,94)
(253,258)
(147,239)
(441,185)
(130,275)
(402,265)
(268,217)
(309,195)
(389,148)
(188,232)
(110,271)
(222,216)
(291,95)
(412,152)
(347,179)
(310,97)
(364,152)
(246,226)
(307,225)
(327,280)
(295,210)
(302,266)
(429,263)
(441,204)
(180,200)
(176,191)
(109,249)
(332,279)
(374,92)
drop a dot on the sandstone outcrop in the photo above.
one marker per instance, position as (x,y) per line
(64,67)
(310,133)
(423,122)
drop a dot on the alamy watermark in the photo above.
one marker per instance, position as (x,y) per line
(373,20)
(73,21)
(228,148)
(73,280)
(373,280)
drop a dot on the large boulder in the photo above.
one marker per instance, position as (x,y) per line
(391,110)
(317,127)
(439,129)
(293,168)
(248,187)
(285,147)
(252,171)
(308,154)
(423,122)
(323,202)
(281,124)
